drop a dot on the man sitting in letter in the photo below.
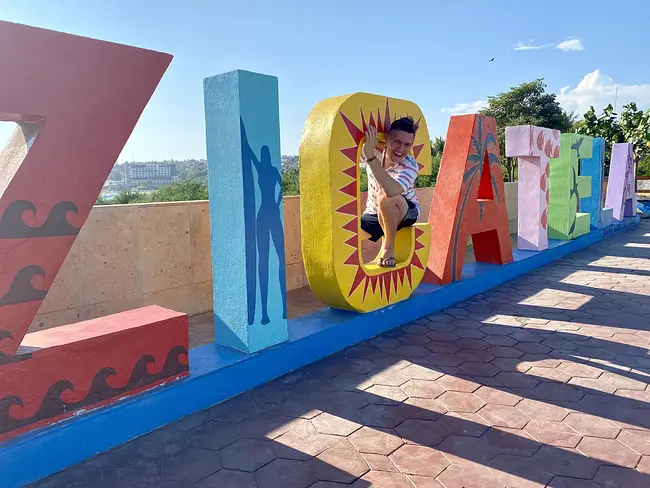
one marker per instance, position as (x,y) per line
(392,203)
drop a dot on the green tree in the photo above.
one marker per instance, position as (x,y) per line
(526,104)
(633,126)
(181,191)
(128,196)
(291,182)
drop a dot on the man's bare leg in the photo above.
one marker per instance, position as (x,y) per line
(391,212)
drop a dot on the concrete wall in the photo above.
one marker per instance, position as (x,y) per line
(129,256)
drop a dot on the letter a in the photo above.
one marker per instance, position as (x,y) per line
(469,200)
(621,191)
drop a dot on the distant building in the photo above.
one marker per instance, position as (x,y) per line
(151,175)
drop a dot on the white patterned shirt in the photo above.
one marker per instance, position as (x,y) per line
(405,173)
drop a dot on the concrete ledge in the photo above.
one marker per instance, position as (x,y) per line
(219,373)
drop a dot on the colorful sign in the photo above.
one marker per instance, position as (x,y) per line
(469,200)
(330,205)
(246,216)
(76,101)
(621,184)
(533,146)
(594,168)
(567,187)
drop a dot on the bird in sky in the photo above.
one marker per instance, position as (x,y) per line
(491,60)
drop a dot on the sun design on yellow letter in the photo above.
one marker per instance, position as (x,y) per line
(330,205)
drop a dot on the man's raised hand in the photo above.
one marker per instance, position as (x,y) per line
(371,143)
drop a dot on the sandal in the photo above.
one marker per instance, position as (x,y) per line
(388,262)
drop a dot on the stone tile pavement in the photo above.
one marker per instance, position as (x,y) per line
(540,382)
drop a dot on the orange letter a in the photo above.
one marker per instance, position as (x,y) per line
(469,200)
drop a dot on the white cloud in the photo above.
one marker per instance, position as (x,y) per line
(598,89)
(531,46)
(465,108)
(571,44)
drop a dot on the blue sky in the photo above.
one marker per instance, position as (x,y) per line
(433,53)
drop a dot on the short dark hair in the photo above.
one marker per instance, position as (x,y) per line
(405,124)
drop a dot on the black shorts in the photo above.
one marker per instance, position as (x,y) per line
(370,222)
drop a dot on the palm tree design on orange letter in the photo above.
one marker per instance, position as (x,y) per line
(486,149)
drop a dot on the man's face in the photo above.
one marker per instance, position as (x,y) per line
(399,145)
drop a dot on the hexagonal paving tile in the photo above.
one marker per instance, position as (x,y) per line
(422,408)
(580,370)
(286,473)
(593,386)
(500,340)
(504,416)
(385,395)
(215,435)
(465,424)
(457,476)
(542,411)
(533,348)
(136,472)
(305,405)
(340,466)
(497,397)
(461,402)
(511,441)
(422,432)
(455,383)
(441,336)
(352,382)
(566,462)
(160,443)
(516,380)
(381,416)
(191,465)
(555,392)
(415,339)
(444,359)
(411,351)
(419,460)
(548,374)
(379,479)
(564,482)
(422,389)
(504,352)
(467,450)
(475,355)
(617,477)
(479,369)
(300,443)
(379,462)
(591,425)
(374,440)
(609,450)
(327,423)
(639,440)
(265,426)
(229,478)
(234,410)
(472,344)
(620,381)
(553,433)
(344,403)
(390,378)
(418,372)
(438,347)
(191,421)
(518,471)
(247,455)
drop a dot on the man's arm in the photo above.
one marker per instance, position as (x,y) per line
(390,186)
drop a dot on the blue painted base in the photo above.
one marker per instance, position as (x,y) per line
(218,373)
